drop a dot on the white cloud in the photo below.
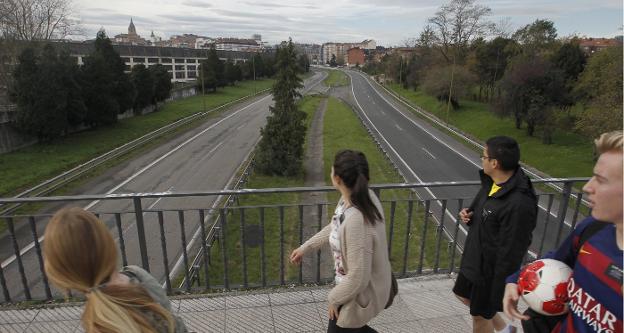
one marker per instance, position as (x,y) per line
(387,21)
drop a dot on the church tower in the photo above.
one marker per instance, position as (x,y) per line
(131,28)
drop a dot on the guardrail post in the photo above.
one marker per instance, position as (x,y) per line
(138,212)
(563,207)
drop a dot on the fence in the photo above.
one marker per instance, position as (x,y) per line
(247,246)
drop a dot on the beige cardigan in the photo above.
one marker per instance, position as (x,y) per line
(364,290)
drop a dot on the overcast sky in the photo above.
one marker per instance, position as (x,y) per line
(389,22)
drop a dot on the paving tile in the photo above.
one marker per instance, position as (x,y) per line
(428,304)
(295,297)
(451,324)
(296,318)
(398,312)
(59,314)
(17,316)
(249,320)
(202,304)
(320,295)
(53,327)
(400,327)
(13,328)
(207,321)
(246,301)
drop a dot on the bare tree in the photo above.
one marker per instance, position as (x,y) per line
(35,19)
(503,28)
(458,23)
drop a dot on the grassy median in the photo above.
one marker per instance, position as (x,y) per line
(336,78)
(341,130)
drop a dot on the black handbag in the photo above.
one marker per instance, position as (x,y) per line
(394,290)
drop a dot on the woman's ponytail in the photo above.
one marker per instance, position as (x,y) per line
(352,167)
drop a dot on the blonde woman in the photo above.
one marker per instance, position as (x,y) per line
(80,254)
(357,237)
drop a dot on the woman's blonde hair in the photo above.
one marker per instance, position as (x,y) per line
(80,254)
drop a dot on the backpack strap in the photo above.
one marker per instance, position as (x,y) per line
(587,233)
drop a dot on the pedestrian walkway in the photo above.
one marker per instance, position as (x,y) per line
(424,304)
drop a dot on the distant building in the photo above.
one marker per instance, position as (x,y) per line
(204,43)
(339,50)
(312,51)
(238,44)
(591,45)
(131,38)
(355,56)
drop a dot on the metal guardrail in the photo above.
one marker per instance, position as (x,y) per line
(260,238)
(67,176)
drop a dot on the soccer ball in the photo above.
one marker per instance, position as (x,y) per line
(543,284)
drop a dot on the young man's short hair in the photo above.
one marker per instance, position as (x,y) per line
(609,141)
(505,150)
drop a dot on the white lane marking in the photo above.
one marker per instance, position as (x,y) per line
(398,127)
(478,165)
(123,232)
(430,154)
(28,247)
(210,152)
(401,158)
(196,235)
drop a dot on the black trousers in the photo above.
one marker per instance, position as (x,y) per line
(333,328)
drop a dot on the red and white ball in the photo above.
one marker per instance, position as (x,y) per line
(543,286)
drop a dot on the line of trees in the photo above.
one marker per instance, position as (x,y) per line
(544,82)
(216,73)
(53,94)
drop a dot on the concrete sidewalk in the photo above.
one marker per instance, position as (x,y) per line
(424,304)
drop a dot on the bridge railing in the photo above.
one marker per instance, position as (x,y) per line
(247,245)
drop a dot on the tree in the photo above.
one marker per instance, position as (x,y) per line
(144,83)
(281,146)
(332,61)
(231,72)
(215,65)
(304,63)
(491,59)
(46,110)
(437,83)
(107,89)
(532,90)
(537,37)
(455,25)
(599,89)
(36,19)
(208,76)
(162,82)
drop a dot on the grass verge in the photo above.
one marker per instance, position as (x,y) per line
(29,166)
(570,155)
(336,78)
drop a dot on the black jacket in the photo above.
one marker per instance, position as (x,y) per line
(500,232)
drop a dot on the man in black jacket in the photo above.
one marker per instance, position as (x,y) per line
(501,220)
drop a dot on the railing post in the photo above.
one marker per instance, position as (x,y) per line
(408,231)
(18,256)
(122,243)
(46,285)
(563,207)
(138,212)
(163,246)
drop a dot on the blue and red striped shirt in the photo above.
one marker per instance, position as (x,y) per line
(595,289)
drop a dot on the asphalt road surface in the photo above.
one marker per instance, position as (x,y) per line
(205,158)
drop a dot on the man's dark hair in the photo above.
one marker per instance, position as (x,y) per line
(505,150)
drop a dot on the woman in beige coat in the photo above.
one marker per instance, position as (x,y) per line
(357,238)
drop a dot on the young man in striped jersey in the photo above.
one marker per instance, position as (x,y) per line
(595,289)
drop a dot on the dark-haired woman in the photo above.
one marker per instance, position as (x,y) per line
(357,238)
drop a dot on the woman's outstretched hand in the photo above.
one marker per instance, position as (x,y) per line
(295,256)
